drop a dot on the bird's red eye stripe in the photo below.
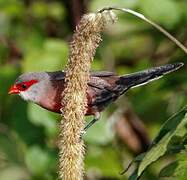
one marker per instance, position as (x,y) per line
(25,85)
(19,87)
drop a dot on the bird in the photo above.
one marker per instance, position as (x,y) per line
(104,87)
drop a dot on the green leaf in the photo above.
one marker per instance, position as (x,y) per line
(168,170)
(171,139)
(176,168)
(172,134)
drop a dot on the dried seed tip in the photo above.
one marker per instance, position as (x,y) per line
(108,16)
(89,17)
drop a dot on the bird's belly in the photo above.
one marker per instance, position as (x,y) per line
(56,107)
(53,103)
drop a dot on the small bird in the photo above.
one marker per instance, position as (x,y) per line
(45,88)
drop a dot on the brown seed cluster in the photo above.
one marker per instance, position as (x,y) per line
(82,49)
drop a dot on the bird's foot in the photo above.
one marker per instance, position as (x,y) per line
(83,132)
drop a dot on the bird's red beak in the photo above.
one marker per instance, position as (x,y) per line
(13,90)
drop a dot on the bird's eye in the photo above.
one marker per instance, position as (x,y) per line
(23,86)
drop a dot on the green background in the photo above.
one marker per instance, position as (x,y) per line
(34,36)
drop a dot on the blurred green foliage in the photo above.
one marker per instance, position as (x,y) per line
(34,36)
(170,140)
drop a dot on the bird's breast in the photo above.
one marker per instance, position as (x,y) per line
(52,101)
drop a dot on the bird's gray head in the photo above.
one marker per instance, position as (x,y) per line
(31,86)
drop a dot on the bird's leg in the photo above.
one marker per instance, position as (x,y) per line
(92,122)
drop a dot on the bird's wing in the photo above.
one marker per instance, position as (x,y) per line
(57,75)
(102,73)
(102,89)
(60,75)
(101,86)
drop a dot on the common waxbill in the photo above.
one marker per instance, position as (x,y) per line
(45,88)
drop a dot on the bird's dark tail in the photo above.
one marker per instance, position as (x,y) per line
(146,76)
